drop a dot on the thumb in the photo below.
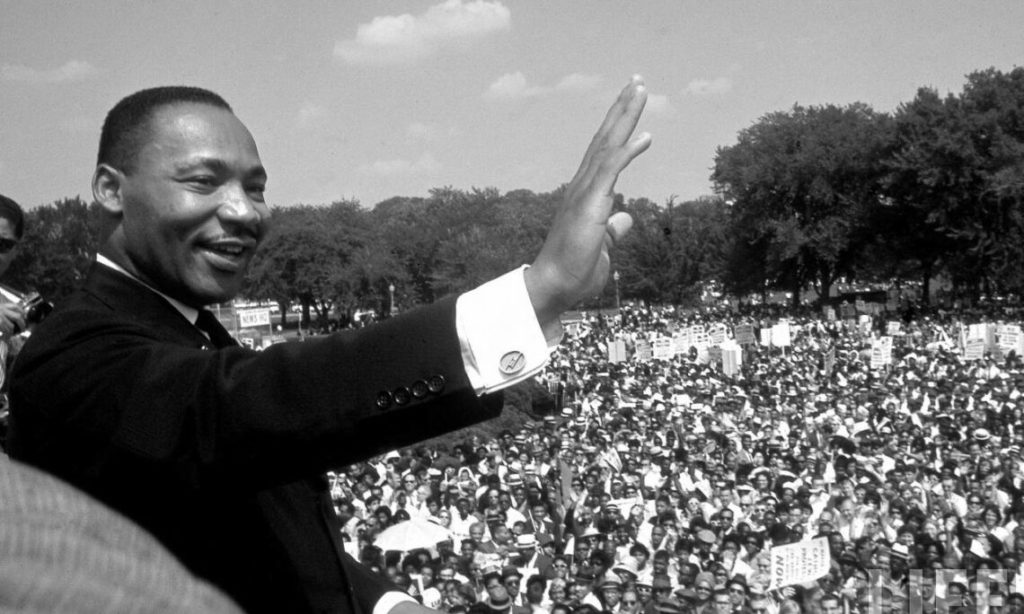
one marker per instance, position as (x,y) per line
(619,224)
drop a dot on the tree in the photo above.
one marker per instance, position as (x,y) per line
(801,184)
(956,181)
(58,248)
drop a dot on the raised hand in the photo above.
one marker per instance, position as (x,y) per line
(573,263)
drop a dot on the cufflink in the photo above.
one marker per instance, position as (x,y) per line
(512,362)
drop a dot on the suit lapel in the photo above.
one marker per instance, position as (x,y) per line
(135,302)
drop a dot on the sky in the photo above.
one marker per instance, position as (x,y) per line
(368,100)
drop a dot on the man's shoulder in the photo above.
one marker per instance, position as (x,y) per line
(108,303)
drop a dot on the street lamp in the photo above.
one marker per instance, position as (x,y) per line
(615,276)
(391,303)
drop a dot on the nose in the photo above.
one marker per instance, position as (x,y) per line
(240,211)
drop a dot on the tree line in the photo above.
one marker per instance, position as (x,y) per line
(804,198)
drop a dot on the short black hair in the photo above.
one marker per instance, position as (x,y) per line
(125,128)
(11,211)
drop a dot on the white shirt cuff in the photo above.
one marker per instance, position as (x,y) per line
(389,600)
(502,342)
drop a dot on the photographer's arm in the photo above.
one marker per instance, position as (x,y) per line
(12,318)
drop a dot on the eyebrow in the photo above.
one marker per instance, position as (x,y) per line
(218,165)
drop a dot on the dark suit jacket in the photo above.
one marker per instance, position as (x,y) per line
(220,452)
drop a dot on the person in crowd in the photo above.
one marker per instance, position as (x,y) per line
(12,229)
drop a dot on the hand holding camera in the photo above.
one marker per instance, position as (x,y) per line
(18,316)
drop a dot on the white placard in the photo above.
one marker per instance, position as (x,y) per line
(799,563)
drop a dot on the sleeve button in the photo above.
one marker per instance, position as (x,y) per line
(419,389)
(435,384)
(383,399)
(402,395)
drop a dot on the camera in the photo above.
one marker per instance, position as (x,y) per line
(36,309)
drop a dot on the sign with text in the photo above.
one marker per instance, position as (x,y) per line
(717,334)
(644,351)
(249,318)
(881,352)
(975,349)
(799,563)
(745,334)
(662,348)
(1010,338)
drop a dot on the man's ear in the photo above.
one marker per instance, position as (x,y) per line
(107,189)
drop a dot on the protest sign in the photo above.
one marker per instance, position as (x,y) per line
(798,563)
(892,328)
(1010,339)
(616,350)
(829,312)
(745,334)
(780,335)
(732,358)
(766,336)
(644,351)
(681,342)
(881,352)
(662,348)
(975,349)
(717,334)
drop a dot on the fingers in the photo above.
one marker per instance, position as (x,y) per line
(618,124)
(608,174)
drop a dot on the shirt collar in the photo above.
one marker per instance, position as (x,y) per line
(189,313)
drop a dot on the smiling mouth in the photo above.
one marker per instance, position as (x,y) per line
(229,258)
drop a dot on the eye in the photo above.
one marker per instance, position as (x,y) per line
(206,181)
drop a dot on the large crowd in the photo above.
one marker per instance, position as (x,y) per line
(661,485)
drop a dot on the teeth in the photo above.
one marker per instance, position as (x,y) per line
(233,250)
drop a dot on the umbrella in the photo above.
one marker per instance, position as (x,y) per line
(412,534)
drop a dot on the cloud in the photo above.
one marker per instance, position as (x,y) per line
(705,87)
(578,82)
(310,114)
(393,39)
(73,70)
(390,168)
(427,131)
(658,104)
(512,86)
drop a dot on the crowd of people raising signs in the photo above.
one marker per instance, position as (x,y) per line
(663,483)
